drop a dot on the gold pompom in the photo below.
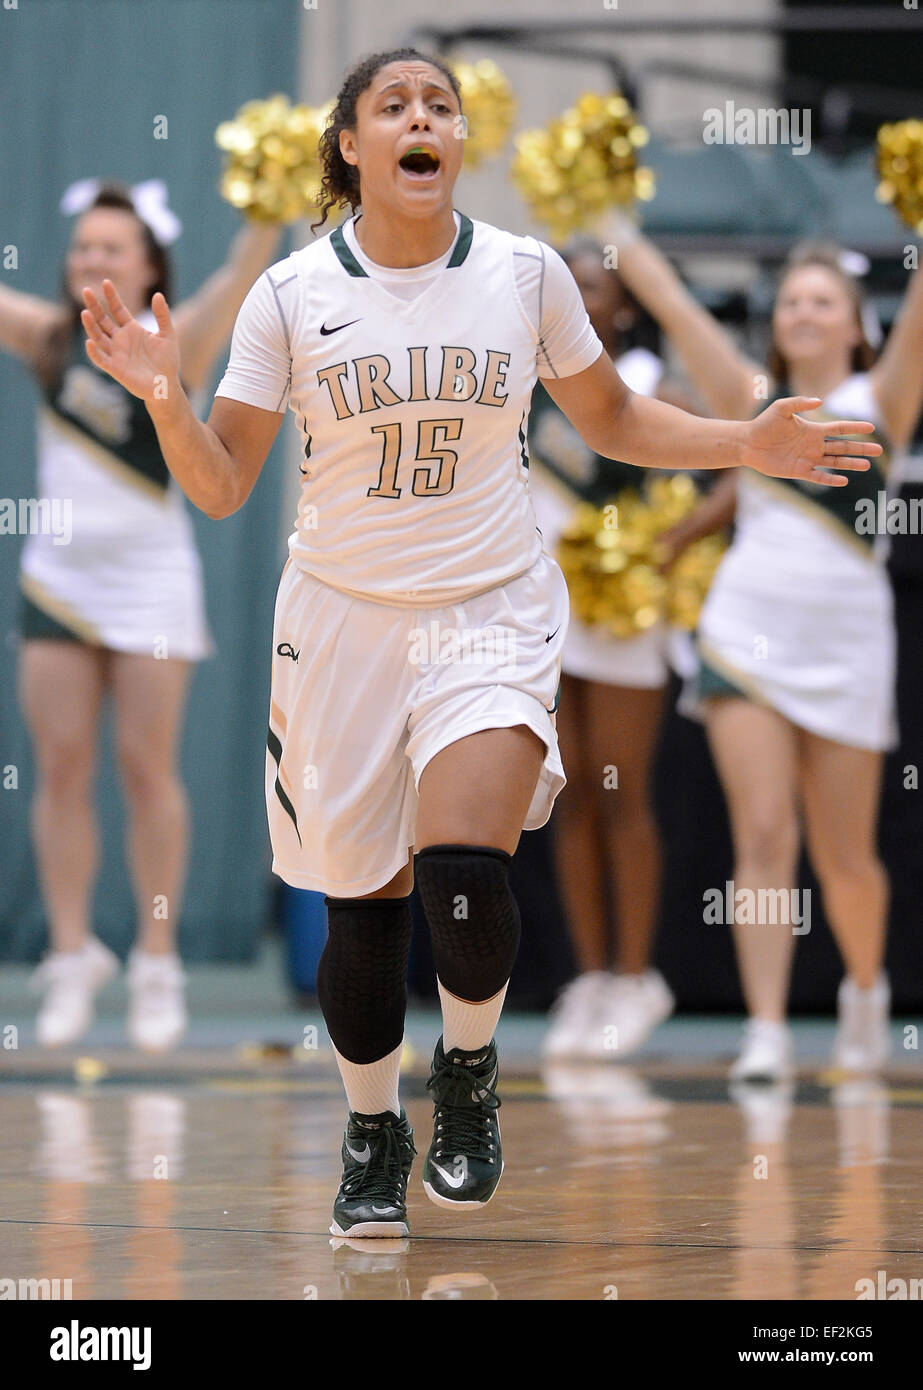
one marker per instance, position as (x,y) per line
(900,165)
(611,558)
(489,108)
(582,163)
(273,172)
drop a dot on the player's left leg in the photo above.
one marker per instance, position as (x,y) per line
(149,697)
(474,796)
(840,788)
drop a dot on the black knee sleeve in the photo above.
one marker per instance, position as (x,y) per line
(362,975)
(473,917)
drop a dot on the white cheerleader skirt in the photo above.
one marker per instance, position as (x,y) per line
(823,654)
(133,593)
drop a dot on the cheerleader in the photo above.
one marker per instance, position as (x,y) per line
(419,622)
(607,843)
(118,609)
(797,640)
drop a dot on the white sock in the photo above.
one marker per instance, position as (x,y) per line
(372,1087)
(469,1026)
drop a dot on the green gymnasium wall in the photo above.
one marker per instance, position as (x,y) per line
(81,82)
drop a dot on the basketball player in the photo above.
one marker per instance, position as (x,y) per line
(419,624)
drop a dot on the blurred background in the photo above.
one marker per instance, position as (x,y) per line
(83,85)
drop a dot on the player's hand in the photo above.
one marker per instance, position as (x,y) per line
(146,364)
(782,445)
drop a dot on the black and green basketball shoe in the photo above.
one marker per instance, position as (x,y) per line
(377,1154)
(465,1159)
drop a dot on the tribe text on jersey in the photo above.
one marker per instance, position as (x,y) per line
(414,417)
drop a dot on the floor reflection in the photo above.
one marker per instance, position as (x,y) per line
(619,1184)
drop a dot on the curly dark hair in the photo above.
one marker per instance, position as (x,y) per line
(340,181)
(53,352)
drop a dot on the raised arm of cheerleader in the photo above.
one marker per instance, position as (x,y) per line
(725,377)
(204,322)
(24,321)
(897,376)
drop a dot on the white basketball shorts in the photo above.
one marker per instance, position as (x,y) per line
(364,694)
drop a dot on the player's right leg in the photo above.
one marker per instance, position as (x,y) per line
(362,993)
(841,790)
(148,699)
(61,686)
(341,804)
(755,753)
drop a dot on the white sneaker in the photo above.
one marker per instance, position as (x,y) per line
(767,1052)
(633,1006)
(862,1043)
(70,980)
(157,1016)
(573,1015)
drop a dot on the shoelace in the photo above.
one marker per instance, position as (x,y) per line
(383,1171)
(465,1127)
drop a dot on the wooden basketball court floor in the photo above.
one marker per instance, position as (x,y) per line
(211,1174)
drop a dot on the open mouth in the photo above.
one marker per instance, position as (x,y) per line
(420,162)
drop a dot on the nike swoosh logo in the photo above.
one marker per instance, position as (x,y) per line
(383,1211)
(360,1157)
(474,1096)
(551,634)
(327,331)
(450,1178)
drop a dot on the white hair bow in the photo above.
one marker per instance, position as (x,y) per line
(857,264)
(149,200)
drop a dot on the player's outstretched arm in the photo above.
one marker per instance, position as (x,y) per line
(216,464)
(618,424)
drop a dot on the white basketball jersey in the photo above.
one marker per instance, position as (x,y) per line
(413,414)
